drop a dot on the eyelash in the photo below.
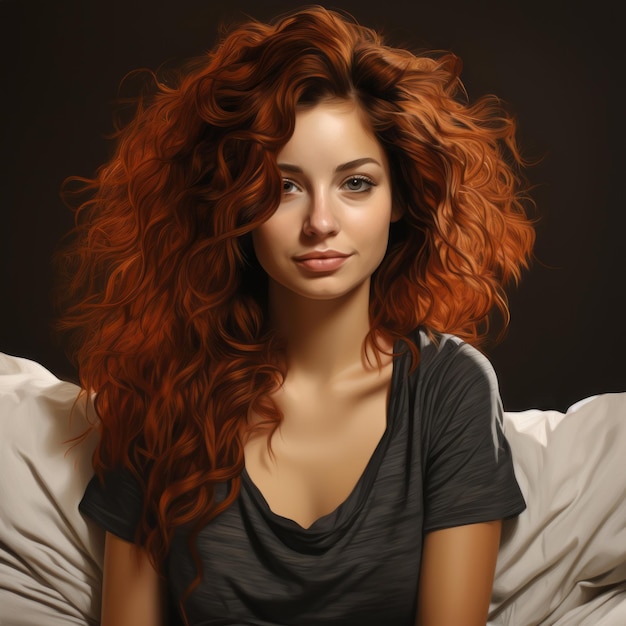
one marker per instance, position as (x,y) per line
(286,181)
(360,178)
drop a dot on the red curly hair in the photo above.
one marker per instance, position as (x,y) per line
(168,317)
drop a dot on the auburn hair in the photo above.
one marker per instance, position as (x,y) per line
(165,302)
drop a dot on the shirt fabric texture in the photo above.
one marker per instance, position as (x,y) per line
(442,461)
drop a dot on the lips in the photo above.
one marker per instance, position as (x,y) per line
(321,254)
(322,260)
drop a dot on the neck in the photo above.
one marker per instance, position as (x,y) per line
(324,338)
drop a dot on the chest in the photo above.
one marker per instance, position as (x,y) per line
(359,565)
(319,452)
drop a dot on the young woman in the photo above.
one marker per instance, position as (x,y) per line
(277,281)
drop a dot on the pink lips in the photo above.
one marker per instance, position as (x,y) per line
(322,260)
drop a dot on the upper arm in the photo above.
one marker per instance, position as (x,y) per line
(456,579)
(132,591)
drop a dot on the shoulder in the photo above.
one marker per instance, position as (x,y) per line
(455,389)
(447,359)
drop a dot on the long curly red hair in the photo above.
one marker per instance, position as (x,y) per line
(167,303)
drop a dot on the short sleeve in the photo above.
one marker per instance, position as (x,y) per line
(468,469)
(116,504)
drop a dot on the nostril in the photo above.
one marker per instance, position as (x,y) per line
(321,220)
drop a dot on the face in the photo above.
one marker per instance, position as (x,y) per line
(330,231)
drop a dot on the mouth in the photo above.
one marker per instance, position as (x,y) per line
(321,254)
(322,260)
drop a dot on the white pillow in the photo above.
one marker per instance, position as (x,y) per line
(50,556)
(563,561)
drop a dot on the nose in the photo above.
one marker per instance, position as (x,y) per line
(321,220)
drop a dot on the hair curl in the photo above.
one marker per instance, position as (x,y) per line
(165,301)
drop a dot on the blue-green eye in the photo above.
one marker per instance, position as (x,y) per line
(359,183)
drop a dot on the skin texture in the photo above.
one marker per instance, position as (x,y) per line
(334,397)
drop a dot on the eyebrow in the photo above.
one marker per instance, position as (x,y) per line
(287,167)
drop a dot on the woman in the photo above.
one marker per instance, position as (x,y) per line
(276,281)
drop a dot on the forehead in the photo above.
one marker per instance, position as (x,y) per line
(331,129)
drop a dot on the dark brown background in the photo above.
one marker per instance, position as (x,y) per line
(561,68)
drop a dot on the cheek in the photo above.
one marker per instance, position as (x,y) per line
(376,238)
(376,229)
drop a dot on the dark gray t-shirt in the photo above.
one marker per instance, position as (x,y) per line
(443,461)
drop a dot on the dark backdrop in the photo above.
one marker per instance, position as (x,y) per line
(561,69)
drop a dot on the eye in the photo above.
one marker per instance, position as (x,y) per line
(289,186)
(358,184)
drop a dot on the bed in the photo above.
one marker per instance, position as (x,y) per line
(561,563)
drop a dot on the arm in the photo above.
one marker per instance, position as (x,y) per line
(458,566)
(132,592)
